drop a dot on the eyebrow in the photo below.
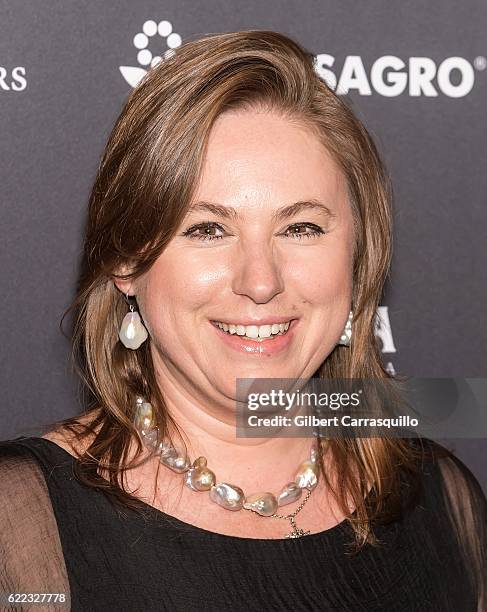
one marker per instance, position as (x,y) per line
(285,212)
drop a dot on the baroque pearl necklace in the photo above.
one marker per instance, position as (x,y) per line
(198,477)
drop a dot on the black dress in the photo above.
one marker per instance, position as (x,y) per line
(59,536)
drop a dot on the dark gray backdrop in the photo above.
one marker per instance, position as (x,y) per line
(61,89)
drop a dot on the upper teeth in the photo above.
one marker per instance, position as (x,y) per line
(254,331)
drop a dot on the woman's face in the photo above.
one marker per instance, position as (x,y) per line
(249,259)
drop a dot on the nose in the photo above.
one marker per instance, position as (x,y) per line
(257,272)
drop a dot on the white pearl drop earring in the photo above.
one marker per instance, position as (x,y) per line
(132,331)
(347,332)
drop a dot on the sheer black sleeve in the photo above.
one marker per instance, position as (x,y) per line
(30,549)
(466,508)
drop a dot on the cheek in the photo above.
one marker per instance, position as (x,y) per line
(177,286)
(322,277)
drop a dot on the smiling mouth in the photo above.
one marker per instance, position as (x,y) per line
(257,333)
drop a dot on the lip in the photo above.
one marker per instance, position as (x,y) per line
(264,321)
(270,346)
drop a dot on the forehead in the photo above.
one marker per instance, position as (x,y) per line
(259,158)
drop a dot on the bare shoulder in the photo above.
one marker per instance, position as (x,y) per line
(62,439)
(67,439)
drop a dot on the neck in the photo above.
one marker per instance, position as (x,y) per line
(208,429)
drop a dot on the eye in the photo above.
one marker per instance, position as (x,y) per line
(295,230)
(208,229)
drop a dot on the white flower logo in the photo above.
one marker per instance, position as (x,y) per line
(133,74)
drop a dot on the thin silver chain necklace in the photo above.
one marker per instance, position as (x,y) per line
(198,477)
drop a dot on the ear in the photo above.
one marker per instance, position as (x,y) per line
(125,286)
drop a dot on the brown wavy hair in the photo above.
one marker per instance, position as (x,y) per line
(143,188)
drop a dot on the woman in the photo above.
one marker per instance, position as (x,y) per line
(239,227)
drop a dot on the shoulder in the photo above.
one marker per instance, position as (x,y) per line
(30,547)
(69,436)
(447,484)
(65,440)
(30,464)
(18,455)
(464,499)
(453,519)
(447,523)
(446,476)
(23,487)
(24,464)
(453,512)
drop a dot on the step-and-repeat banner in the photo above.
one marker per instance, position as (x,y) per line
(416,75)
